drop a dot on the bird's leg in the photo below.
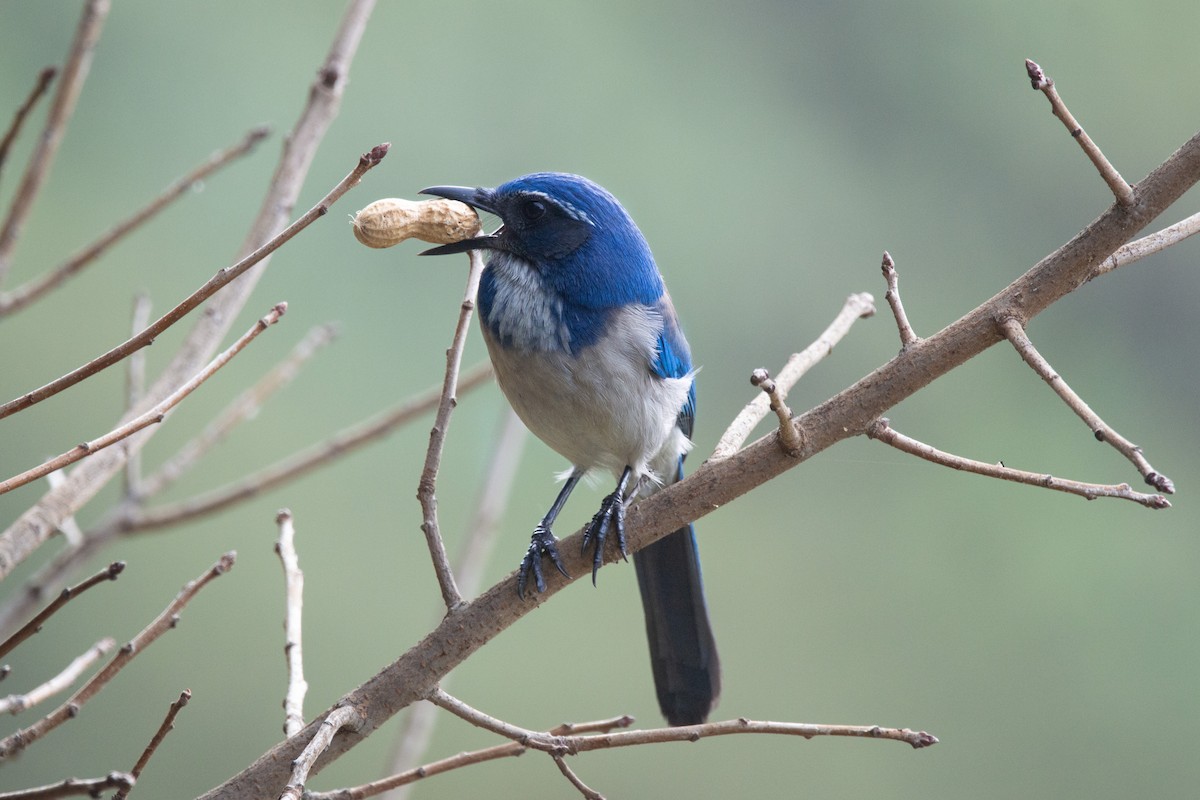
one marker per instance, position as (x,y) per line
(543,543)
(611,513)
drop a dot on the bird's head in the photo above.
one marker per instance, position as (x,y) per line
(544,216)
(570,230)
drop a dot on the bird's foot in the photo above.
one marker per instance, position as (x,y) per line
(542,543)
(611,515)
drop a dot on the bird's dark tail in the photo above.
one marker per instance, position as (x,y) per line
(683,653)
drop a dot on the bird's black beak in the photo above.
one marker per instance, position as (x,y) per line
(476,197)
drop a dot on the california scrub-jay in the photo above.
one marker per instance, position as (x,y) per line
(587,348)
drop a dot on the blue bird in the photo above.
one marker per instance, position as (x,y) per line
(588,350)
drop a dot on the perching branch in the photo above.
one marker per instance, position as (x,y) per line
(721,480)
(152,417)
(14,743)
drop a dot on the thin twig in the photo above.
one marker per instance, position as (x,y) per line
(79,60)
(789,437)
(34,625)
(338,445)
(168,724)
(416,729)
(1149,245)
(27,293)
(135,389)
(883,432)
(427,487)
(506,750)
(16,703)
(411,776)
(153,416)
(340,717)
(1044,84)
(168,619)
(223,277)
(293,584)
(14,129)
(73,787)
(857,306)
(1015,333)
(575,780)
(908,336)
(244,407)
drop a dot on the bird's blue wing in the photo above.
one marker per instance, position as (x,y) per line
(673,359)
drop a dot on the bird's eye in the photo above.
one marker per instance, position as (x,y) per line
(533,210)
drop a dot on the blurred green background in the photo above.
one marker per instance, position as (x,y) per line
(770,151)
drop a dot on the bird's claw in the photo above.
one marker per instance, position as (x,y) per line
(542,543)
(611,514)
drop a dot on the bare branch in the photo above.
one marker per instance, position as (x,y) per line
(244,407)
(789,437)
(1149,245)
(73,787)
(79,60)
(337,719)
(1044,84)
(426,489)
(882,431)
(16,703)
(151,417)
(857,306)
(39,88)
(409,777)
(293,583)
(907,335)
(35,525)
(34,625)
(168,724)
(719,481)
(27,293)
(14,743)
(575,780)
(135,389)
(1015,333)
(338,445)
(417,727)
(214,284)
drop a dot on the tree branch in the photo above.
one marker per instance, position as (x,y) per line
(33,527)
(14,743)
(79,61)
(152,417)
(168,724)
(45,77)
(109,573)
(721,480)
(22,296)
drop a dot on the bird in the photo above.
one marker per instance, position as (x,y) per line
(587,348)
